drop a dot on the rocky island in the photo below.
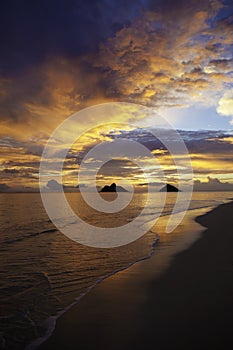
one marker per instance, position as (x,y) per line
(169,188)
(113,188)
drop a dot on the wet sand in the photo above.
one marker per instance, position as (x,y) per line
(180,298)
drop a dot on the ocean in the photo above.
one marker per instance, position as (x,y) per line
(43,272)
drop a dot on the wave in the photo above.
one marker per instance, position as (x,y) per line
(50,323)
(33,234)
(150,214)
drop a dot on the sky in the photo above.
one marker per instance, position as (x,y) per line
(58,57)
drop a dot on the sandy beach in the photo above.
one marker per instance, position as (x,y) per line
(180,298)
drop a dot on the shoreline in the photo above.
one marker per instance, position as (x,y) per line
(50,322)
(74,313)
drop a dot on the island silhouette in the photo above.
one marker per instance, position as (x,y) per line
(113,188)
(169,188)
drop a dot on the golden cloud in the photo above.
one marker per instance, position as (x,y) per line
(225,105)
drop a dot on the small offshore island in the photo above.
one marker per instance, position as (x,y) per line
(113,188)
(169,188)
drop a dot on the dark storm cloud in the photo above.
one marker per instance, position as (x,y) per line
(31,30)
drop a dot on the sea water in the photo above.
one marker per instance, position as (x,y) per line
(43,272)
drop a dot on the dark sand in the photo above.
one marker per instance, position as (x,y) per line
(189,305)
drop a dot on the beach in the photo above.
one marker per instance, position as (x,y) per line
(183,299)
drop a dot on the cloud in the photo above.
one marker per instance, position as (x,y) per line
(4,188)
(67,28)
(35,102)
(10,171)
(223,65)
(53,185)
(225,105)
(210,152)
(147,58)
(213,184)
(160,63)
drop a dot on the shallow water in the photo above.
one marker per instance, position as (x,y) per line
(42,271)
